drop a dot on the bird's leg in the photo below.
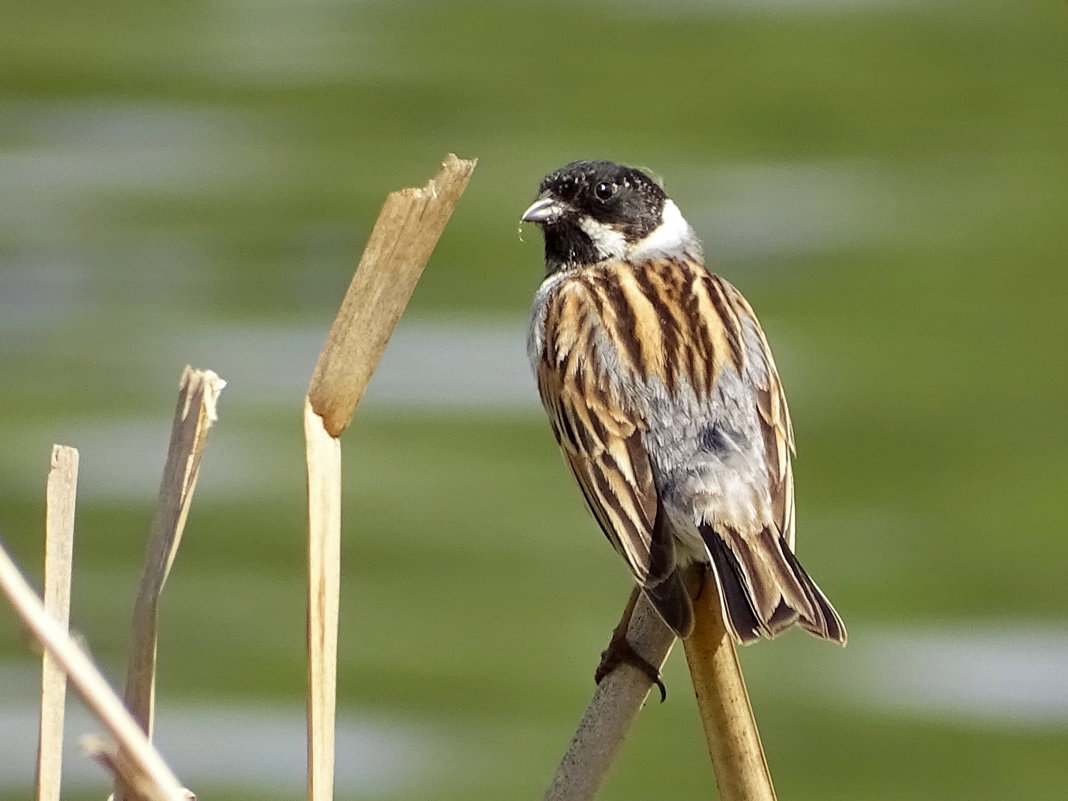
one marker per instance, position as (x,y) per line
(620,651)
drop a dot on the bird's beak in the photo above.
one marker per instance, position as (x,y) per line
(544,210)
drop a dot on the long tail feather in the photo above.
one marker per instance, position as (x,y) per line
(764,589)
(826,623)
(738,613)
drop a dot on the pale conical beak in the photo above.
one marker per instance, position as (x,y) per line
(544,210)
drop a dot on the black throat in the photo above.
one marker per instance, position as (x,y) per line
(567,245)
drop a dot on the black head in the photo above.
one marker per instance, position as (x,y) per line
(591,211)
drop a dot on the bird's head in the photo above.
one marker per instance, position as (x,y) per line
(595,211)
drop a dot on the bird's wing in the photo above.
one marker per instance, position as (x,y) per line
(763,587)
(599,436)
(775,427)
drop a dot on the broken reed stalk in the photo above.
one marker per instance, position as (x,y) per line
(145,768)
(324,593)
(198,393)
(60,494)
(404,236)
(611,711)
(738,759)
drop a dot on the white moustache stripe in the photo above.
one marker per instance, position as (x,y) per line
(673,237)
(607,241)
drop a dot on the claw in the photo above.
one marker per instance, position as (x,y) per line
(620,651)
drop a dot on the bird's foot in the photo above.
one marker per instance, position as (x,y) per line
(620,651)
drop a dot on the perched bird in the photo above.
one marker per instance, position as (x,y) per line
(665,401)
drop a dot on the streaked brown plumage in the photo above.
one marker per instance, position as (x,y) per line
(664,398)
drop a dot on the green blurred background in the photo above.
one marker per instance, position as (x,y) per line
(886,180)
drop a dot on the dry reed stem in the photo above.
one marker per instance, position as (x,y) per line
(87,680)
(60,494)
(136,782)
(198,393)
(404,236)
(324,578)
(611,711)
(738,759)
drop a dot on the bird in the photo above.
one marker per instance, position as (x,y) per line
(664,398)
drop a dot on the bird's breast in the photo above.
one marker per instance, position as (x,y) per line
(663,323)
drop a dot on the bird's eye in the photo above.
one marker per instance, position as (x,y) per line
(604,190)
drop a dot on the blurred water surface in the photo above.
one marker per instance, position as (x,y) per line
(886,180)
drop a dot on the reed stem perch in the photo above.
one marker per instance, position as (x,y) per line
(738,759)
(611,711)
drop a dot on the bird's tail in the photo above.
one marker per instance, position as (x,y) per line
(764,590)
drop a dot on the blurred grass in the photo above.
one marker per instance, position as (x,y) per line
(226,160)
